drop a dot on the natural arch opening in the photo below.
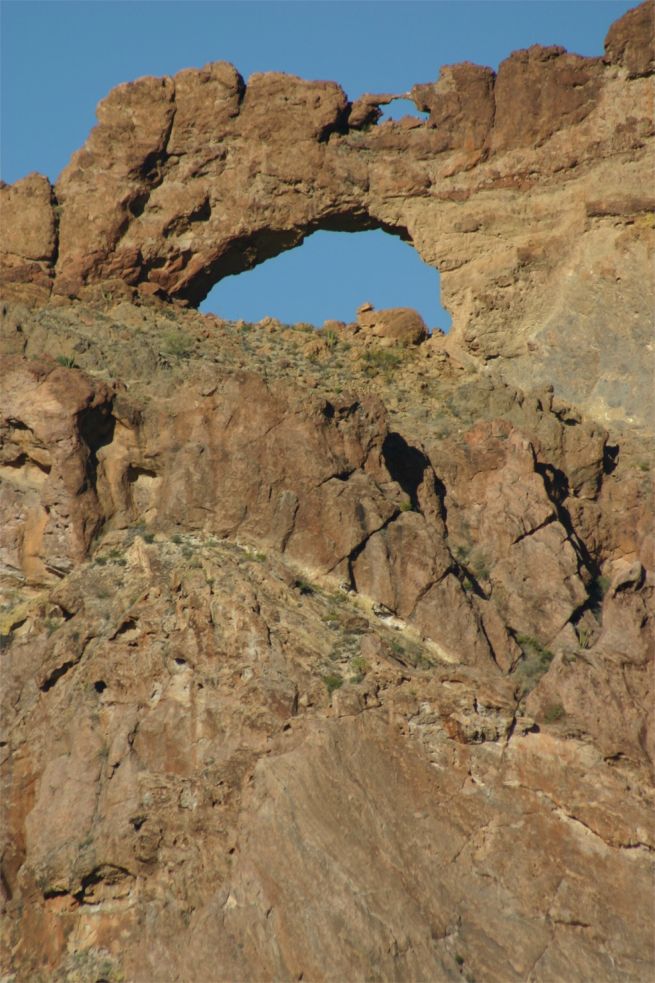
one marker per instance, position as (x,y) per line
(328,277)
(399,108)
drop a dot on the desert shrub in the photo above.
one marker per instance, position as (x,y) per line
(177,343)
(534,662)
(359,668)
(411,654)
(381,361)
(255,556)
(597,590)
(333,681)
(479,565)
(474,561)
(303,586)
(553,713)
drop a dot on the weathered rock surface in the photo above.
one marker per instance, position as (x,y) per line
(29,240)
(53,422)
(527,190)
(328,654)
(212,817)
(444,770)
(393,326)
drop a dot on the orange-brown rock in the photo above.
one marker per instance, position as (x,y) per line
(53,423)
(461,106)
(211,789)
(206,177)
(630,42)
(295,672)
(29,233)
(328,655)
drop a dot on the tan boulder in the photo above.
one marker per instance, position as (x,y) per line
(400,326)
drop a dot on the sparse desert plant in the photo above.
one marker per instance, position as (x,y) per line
(553,713)
(359,667)
(255,556)
(479,565)
(177,343)
(597,590)
(603,584)
(68,361)
(533,664)
(468,584)
(333,681)
(303,586)
(381,361)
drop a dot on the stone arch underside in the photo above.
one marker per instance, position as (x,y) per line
(246,252)
(525,189)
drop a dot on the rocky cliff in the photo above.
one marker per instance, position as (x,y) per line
(326,654)
(526,189)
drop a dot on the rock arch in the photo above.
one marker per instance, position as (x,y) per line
(524,188)
(328,277)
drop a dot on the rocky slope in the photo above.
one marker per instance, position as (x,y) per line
(326,654)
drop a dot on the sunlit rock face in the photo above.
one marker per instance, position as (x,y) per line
(327,654)
(528,190)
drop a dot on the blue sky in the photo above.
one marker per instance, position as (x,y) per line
(58,59)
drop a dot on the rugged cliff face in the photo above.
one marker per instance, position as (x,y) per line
(326,654)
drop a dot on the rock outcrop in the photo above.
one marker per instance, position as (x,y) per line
(239,613)
(393,326)
(327,654)
(527,190)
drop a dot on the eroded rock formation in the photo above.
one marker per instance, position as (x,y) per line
(328,654)
(527,190)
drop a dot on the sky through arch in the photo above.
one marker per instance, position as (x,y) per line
(328,277)
(58,58)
